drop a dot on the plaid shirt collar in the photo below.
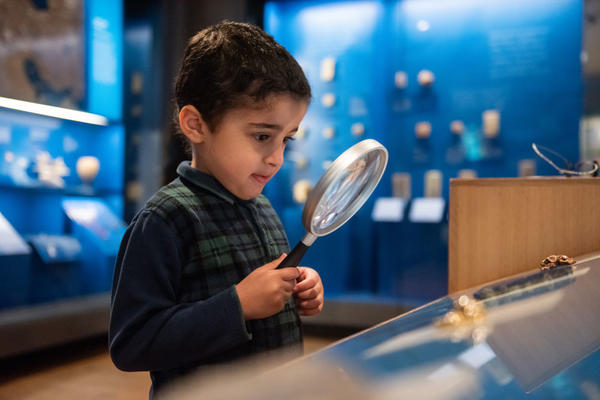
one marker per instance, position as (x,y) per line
(207,182)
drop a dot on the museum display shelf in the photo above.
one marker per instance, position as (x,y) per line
(33,327)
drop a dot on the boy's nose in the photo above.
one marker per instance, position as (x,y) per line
(275,157)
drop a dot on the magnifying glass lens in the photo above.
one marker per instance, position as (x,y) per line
(344,191)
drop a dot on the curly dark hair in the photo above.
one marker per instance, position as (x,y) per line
(233,64)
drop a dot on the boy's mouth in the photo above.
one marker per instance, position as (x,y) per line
(262,179)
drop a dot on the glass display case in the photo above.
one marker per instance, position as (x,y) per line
(534,335)
(62,158)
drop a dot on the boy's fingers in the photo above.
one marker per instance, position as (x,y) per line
(309,304)
(288,287)
(305,284)
(307,294)
(289,273)
(309,313)
(275,263)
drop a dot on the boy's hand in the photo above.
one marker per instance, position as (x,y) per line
(266,289)
(309,292)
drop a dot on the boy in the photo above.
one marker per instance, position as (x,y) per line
(196,281)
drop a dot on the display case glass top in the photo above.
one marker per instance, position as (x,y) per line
(534,335)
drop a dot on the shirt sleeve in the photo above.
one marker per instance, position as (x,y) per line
(149,330)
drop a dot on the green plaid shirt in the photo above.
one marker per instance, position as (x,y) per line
(174,303)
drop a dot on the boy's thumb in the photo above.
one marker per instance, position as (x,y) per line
(275,263)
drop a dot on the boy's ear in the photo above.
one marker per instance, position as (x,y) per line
(192,124)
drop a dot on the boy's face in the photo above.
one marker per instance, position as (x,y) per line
(246,149)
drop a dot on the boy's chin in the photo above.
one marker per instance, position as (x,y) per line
(249,196)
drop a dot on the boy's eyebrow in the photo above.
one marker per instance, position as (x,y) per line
(265,125)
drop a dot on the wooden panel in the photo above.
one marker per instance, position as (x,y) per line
(500,227)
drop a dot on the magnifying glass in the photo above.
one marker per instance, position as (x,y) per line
(340,193)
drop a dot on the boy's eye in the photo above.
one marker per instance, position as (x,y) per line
(288,138)
(261,137)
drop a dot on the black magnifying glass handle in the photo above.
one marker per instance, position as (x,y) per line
(293,259)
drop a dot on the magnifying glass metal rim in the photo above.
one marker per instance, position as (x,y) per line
(341,163)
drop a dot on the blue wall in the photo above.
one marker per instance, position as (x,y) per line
(104,57)
(519,58)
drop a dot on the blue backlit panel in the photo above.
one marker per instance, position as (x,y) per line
(456,87)
(104,37)
(100,231)
(96,218)
(12,242)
